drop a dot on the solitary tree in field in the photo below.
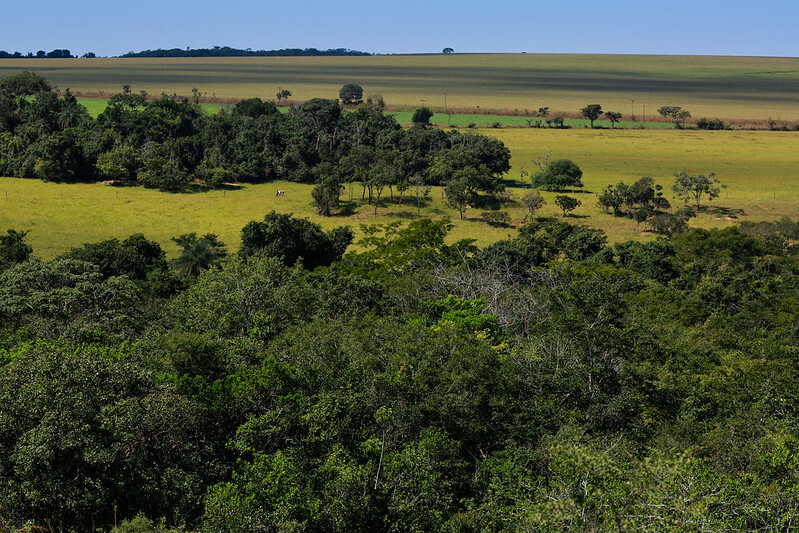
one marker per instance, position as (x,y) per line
(448,50)
(351,94)
(422,116)
(567,203)
(613,117)
(282,94)
(532,201)
(676,112)
(592,112)
(694,186)
(557,175)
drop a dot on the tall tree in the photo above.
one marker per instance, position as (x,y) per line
(591,112)
(695,186)
(351,94)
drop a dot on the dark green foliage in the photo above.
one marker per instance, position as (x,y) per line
(326,195)
(351,94)
(544,382)
(25,83)
(459,194)
(254,108)
(294,240)
(141,260)
(68,297)
(567,203)
(591,112)
(672,223)
(13,248)
(496,218)
(169,144)
(613,117)
(83,433)
(712,124)
(198,253)
(422,116)
(558,175)
(654,260)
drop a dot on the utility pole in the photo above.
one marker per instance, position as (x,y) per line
(632,109)
(643,119)
(445,102)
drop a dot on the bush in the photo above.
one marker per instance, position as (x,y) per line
(422,116)
(712,124)
(558,175)
(496,218)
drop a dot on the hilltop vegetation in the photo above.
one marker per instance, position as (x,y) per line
(226,51)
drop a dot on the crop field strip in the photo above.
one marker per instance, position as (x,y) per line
(726,87)
(760,168)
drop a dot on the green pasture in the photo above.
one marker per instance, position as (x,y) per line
(760,168)
(710,86)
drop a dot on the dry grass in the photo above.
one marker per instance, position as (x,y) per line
(726,87)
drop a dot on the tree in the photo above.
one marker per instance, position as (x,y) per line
(13,248)
(532,201)
(198,253)
(567,203)
(676,112)
(694,186)
(613,117)
(591,112)
(351,94)
(422,116)
(294,240)
(459,194)
(326,195)
(283,94)
(448,50)
(558,175)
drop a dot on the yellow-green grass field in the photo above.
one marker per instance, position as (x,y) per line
(711,86)
(760,168)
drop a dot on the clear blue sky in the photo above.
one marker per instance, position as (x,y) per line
(724,27)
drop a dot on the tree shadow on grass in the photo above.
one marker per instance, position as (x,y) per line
(406,214)
(722,211)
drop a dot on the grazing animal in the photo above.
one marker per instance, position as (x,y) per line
(280,193)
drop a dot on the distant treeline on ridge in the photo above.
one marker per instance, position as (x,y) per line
(226,51)
(40,54)
(216,51)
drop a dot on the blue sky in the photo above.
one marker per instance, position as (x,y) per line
(705,27)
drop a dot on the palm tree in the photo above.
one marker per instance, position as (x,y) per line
(198,254)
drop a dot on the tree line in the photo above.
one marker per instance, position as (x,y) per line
(227,51)
(58,53)
(549,381)
(170,144)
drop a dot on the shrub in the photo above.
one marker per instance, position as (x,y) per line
(496,218)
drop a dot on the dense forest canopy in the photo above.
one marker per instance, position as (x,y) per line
(546,382)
